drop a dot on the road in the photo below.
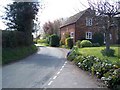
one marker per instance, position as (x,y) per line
(48,68)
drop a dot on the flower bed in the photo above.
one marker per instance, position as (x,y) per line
(103,69)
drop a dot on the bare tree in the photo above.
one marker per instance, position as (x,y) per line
(52,27)
(107,10)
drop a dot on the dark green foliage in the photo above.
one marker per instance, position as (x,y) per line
(96,45)
(111,52)
(98,38)
(69,42)
(14,54)
(41,41)
(73,53)
(54,40)
(13,39)
(86,43)
(19,16)
(78,43)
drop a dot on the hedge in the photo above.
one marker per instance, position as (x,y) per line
(15,39)
(69,42)
(54,40)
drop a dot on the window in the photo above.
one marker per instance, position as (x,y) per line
(88,35)
(110,36)
(88,21)
(72,34)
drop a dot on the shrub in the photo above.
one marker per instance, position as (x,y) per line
(111,52)
(78,43)
(54,40)
(62,41)
(96,45)
(103,69)
(13,39)
(41,41)
(98,38)
(69,42)
(73,53)
(86,43)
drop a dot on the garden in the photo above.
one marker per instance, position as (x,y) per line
(93,59)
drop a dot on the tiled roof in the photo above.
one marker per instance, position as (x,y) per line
(73,19)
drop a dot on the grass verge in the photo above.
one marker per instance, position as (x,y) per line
(96,51)
(14,54)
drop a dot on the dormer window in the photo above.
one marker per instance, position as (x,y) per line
(88,21)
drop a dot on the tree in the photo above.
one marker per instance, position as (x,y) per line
(106,11)
(52,27)
(20,16)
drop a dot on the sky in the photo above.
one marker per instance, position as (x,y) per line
(53,9)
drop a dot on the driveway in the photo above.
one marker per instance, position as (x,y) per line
(48,68)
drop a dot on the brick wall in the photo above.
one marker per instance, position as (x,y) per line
(67,29)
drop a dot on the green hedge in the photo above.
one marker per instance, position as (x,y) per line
(98,38)
(13,54)
(104,69)
(54,40)
(15,39)
(69,42)
(86,43)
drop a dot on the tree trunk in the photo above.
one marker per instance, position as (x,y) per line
(107,41)
(108,33)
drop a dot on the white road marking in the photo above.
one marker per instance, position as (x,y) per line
(63,66)
(58,73)
(50,82)
(61,69)
(54,77)
(66,62)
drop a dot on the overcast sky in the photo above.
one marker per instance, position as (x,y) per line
(54,9)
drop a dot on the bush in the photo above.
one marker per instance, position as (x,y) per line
(13,39)
(73,53)
(62,41)
(54,40)
(41,41)
(103,69)
(78,43)
(96,45)
(69,42)
(98,38)
(86,43)
(111,52)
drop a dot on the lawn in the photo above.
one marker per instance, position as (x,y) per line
(96,51)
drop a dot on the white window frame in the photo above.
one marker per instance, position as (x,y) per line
(110,36)
(104,38)
(88,35)
(89,21)
(72,34)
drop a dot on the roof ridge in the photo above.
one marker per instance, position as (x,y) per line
(74,18)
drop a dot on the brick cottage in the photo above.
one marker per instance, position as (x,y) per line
(82,26)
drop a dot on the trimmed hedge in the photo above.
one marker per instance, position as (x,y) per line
(15,39)
(54,40)
(86,43)
(69,42)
